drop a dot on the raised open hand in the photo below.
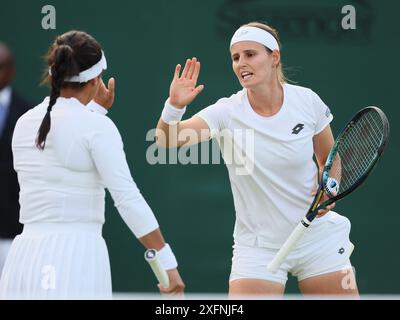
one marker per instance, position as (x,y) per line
(183,88)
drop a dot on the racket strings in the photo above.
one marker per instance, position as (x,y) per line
(357,150)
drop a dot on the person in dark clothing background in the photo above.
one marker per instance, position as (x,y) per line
(12,106)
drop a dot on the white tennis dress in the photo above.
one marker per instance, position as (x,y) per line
(61,252)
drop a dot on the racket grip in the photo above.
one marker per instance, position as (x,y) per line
(283,252)
(161,274)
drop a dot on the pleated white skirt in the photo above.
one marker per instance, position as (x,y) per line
(57,261)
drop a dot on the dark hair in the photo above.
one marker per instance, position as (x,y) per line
(71,53)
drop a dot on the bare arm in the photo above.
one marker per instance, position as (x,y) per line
(188,132)
(323,143)
(182,92)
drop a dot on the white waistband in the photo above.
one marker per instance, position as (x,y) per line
(41,228)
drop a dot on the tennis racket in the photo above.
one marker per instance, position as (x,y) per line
(161,274)
(354,154)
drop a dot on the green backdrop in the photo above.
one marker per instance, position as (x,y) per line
(144,40)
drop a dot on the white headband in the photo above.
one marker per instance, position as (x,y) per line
(255,34)
(90,73)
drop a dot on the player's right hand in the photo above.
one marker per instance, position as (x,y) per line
(324,197)
(176,285)
(105,96)
(183,88)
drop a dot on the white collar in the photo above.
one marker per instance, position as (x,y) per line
(62,101)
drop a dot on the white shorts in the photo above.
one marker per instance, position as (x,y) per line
(324,248)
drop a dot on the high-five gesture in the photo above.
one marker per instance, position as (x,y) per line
(183,88)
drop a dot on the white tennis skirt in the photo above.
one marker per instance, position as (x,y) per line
(57,261)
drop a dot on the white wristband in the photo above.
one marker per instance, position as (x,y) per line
(167,258)
(171,113)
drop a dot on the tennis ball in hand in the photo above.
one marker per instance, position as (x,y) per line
(332,187)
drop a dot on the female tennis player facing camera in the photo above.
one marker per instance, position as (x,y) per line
(77,153)
(291,124)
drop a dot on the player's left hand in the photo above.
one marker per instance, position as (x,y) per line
(177,287)
(325,197)
(105,96)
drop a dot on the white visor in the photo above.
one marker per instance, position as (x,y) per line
(255,34)
(90,73)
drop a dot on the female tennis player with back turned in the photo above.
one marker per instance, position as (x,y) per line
(291,124)
(77,153)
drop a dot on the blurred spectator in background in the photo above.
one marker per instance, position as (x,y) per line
(12,106)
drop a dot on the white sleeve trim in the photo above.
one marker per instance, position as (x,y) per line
(329,120)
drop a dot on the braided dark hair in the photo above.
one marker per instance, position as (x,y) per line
(71,53)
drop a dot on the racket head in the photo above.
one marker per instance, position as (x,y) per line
(355,153)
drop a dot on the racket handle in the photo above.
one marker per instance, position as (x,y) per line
(161,274)
(283,252)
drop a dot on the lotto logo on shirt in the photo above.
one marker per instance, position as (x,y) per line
(298,128)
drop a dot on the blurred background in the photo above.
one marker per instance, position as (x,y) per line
(144,40)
